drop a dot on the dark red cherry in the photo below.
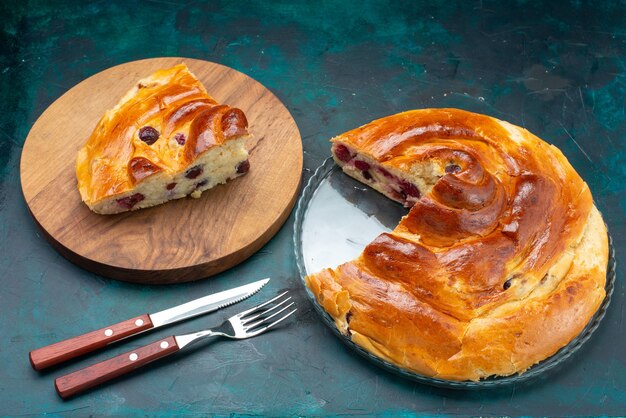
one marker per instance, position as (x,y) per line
(129,202)
(453,168)
(202,183)
(385,172)
(180,138)
(343,153)
(194,172)
(367,174)
(148,134)
(243,167)
(507,284)
(361,165)
(410,189)
(170,186)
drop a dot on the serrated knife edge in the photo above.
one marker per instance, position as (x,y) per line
(206,304)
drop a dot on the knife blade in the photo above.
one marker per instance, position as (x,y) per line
(61,351)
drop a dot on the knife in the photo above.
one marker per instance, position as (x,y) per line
(56,353)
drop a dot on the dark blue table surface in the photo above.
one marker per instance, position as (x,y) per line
(558,69)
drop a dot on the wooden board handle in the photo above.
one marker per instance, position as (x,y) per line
(98,373)
(77,346)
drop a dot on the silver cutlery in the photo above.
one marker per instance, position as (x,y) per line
(246,324)
(61,351)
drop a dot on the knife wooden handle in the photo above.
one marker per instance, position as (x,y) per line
(98,373)
(56,353)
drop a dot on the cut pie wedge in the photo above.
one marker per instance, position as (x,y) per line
(165,139)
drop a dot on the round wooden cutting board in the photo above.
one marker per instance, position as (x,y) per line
(182,240)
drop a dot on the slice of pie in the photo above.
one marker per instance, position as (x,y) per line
(165,139)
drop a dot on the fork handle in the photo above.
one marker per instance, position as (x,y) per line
(91,376)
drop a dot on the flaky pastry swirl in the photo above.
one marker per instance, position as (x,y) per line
(500,262)
(160,127)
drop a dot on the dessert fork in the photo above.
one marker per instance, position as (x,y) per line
(246,324)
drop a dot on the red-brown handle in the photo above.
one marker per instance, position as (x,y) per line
(98,373)
(56,353)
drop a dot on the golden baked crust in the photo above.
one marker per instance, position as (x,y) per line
(500,262)
(159,128)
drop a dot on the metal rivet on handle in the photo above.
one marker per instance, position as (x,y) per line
(133,357)
(108,332)
(139,322)
(164,344)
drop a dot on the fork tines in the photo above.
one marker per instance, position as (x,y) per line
(262,315)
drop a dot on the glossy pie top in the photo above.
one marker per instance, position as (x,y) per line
(498,266)
(162,124)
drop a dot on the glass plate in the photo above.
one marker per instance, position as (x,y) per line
(337,217)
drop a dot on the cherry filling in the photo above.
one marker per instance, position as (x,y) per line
(343,153)
(364,167)
(243,167)
(170,186)
(409,188)
(148,134)
(453,168)
(385,173)
(180,138)
(402,189)
(194,172)
(202,183)
(398,188)
(129,201)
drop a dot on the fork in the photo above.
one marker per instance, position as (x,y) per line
(240,326)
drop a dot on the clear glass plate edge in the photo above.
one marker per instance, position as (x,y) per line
(539,369)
